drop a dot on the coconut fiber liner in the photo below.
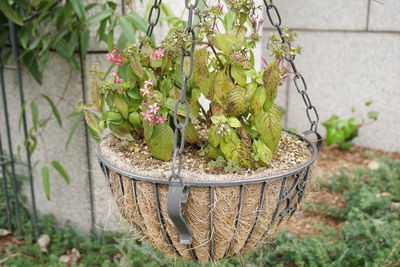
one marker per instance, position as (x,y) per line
(225,221)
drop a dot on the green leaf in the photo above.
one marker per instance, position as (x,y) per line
(60,170)
(137,21)
(115,118)
(84,41)
(228,20)
(191,135)
(264,154)
(10,13)
(127,29)
(228,43)
(269,125)
(92,122)
(147,130)
(72,132)
(122,131)
(161,141)
(79,8)
(234,122)
(137,66)
(35,115)
(122,106)
(99,16)
(30,62)
(134,119)
(46,181)
(239,75)
(271,80)
(218,119)
(222,86)
(257,100)
(230,145)
(237,103)
(213,138)
(54,109)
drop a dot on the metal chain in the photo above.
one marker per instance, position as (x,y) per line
(180,128)
(299,81)
(153,18)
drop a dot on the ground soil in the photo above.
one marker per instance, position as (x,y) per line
(329,160)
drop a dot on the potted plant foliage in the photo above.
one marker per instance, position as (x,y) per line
(240,174)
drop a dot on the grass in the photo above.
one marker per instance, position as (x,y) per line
(369,234)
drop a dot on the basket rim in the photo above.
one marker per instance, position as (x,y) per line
(268,178)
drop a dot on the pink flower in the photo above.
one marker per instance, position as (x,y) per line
(161,119)
(154,108)
(116,57)
(116,78)
(148,84)
(145,91)
(264,62)
(147,116)
(158,53)
(257,23)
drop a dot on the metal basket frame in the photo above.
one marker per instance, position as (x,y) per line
(285,206)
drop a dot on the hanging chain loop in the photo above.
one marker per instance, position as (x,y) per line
(152,20)
(180,127)
(299,81)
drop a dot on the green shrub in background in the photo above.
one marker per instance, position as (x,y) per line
(369,234)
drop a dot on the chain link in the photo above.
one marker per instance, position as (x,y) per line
(299,81)
(153,18)
(180,128)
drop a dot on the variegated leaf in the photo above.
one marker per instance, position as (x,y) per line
(161,142)
(269,125)
(237,104)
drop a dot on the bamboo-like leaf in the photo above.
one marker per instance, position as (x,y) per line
(127,29)
(59,168)
(161,141)
(137,21)
(79,8)
(72,132)
(54,109)
(99,16)
(46,181)
(10,13)
(35,115)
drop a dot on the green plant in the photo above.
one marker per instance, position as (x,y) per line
(342,132)
(244,124)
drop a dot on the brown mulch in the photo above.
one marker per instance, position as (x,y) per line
(329,160)
(8,241)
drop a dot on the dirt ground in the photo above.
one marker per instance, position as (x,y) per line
(329,160)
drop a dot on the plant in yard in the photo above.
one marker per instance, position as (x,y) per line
(243,123)
(343,131)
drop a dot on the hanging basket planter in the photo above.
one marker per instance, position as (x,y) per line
(155,109)
(224,218)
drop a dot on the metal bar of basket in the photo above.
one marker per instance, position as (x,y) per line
(161,220)
(5,185)
(135,200)
(121,185)
(133,185)
(211,211)
(11,156)
(15,50)
(259,208)
(237,220)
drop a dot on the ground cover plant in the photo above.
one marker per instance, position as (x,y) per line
(368,234)
(137,101)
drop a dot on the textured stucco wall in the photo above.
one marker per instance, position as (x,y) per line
(350,56)
(350,52)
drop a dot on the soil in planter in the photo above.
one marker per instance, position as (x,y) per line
(135,157)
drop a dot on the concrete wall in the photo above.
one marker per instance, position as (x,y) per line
(349,57)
